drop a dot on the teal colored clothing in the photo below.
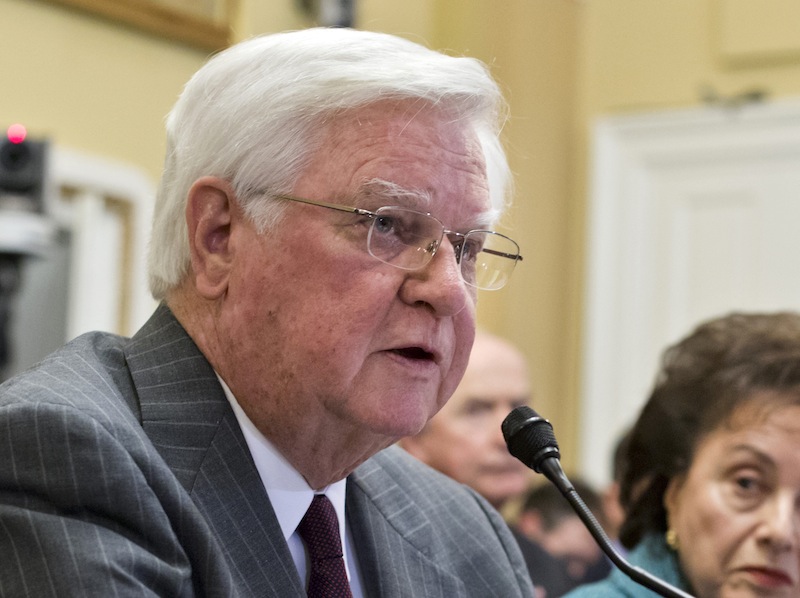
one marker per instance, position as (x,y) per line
(652,555)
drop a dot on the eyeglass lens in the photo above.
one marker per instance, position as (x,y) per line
(408,239)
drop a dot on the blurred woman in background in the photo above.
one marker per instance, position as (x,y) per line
(711,486)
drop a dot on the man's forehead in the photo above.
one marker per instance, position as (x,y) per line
(400,152)
(385,191)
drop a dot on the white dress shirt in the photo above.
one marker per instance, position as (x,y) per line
(291,496)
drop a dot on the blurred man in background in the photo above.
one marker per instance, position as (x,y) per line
(465,442)
(613,511)
(547,519)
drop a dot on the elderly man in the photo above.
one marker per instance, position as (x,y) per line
(321,231)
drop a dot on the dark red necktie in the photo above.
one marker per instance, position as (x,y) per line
(319,529)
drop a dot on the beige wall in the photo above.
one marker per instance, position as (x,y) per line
(649,55)
(565,63)
(89,85)
(103,88)
(532,49)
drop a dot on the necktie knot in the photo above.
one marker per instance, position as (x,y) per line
(319,530)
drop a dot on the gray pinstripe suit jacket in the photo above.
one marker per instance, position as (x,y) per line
(123,472)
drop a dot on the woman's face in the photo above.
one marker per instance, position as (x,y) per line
(736,512)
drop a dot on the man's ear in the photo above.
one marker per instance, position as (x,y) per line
(210,211)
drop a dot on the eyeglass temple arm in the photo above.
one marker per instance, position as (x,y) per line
(460,241)
(511,256)
(325,204)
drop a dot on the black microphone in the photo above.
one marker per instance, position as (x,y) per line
(530,439)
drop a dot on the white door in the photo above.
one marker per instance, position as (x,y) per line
(93,276)
(692,214)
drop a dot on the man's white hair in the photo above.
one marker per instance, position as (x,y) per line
(252,114)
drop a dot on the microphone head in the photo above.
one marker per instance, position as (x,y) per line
(530,437)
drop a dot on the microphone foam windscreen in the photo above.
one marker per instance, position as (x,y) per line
(529,437)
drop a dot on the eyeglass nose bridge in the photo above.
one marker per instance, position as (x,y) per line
(457,241)
(414,244)
(426,253)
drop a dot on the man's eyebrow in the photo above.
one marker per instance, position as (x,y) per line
(389,193)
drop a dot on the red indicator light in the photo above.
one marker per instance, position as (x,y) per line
(17,133)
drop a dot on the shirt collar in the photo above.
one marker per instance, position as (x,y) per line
(288,491)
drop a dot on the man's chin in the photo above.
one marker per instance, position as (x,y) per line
(395,428)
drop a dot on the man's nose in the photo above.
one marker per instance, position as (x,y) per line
(440,283)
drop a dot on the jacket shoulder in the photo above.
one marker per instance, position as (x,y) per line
(89,373)
(438,530)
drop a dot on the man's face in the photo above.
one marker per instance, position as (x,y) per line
(330,339)
(464,439)
(571,541)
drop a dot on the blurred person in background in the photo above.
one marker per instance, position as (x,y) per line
(711,487)
(613,514)
(465,442)
(547,519)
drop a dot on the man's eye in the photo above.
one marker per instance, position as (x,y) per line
(384,225)
(477,408)
(404,230)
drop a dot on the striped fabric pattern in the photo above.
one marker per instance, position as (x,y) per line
(123,472)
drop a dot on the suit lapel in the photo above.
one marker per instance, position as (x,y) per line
(393,540)
(188,418)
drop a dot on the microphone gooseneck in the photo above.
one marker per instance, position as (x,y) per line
(530,439)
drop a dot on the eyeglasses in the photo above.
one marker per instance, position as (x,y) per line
(408,240)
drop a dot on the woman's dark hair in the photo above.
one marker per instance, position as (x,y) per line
(703,379)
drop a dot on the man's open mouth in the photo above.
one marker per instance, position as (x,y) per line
(414,353)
